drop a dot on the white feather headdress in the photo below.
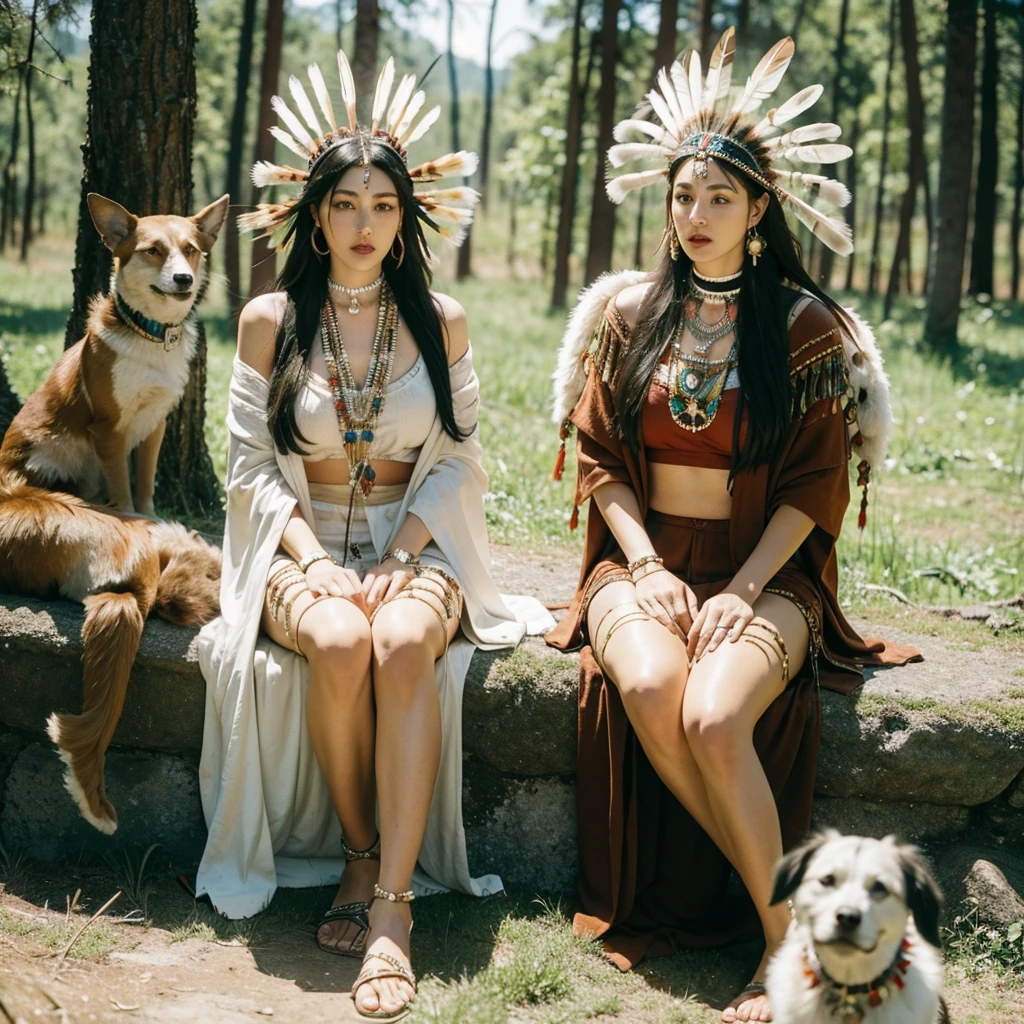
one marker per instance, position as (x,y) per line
(394,121)
(699,118)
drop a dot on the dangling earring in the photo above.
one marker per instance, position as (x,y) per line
(401,247)
(756,245)
(312,242)
(673,242)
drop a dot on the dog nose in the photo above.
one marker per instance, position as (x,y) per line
(847,919)
(183,279)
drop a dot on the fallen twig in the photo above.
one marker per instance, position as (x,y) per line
(891,591)
(74,938)
(72,903)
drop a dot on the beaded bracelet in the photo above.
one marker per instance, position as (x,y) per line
(641,562)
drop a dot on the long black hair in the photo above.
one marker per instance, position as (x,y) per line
(761,331)
(305,275)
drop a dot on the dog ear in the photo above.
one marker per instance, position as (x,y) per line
(113,222)
(210,219)
(789,871)
(921,893)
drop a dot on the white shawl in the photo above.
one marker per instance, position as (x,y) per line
(266,803)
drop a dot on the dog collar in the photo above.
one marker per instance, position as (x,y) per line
(168,335)
(851,1003)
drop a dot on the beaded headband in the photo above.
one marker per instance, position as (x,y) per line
(698,120)
(448,211)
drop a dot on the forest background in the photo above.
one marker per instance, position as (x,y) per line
(930,96)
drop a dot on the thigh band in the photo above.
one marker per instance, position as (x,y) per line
(435,588)
(767,639)
(285,585)
(628,611)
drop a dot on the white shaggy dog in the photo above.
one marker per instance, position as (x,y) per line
(862,947)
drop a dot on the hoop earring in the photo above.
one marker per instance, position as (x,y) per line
(673,242)
(401,247)
(756,245)
(312,242)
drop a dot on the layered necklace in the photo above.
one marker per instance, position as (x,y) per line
(354,293)
(697,383)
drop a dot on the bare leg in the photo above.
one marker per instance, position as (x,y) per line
(334,636)
(727,692)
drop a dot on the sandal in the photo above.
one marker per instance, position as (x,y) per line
(395,968)
(357,912)
(753,988)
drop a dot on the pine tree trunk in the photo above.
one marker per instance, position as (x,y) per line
(1018,176)
(984,241)
(30,177)
(142,75)
(462,258)
(949,243)
(743,23)
(567,196)
(364,62)
(236,140)
(705,43)
(485,134)
(839,59)
(602,209)
(10,196)
(264,269)
(10,404)
(665,46)
(883,163)
(850,212)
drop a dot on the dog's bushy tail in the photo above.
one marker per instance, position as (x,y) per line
(110,638)
(188,593)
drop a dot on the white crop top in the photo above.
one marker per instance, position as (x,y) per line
(403,426)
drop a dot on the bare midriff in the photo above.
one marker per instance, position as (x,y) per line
(335,471)
(689,491)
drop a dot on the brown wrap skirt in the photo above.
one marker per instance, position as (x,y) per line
(651,880)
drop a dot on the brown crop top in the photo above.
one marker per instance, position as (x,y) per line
(668,443)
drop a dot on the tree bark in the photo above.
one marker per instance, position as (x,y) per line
(665,45)
(916,169)
(984,240)
(850,212)
(485,134)
(10,197)
(839,60)
(30,176)
(364,63)
(743,23)
(883,163)
(602,209)
(264,270)
(945,282)
(1018,175)
(567,197)
(462,258)
(138,151)
(705,38)
(236,140)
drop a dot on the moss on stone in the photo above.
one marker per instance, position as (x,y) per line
(524,669)
(972,713)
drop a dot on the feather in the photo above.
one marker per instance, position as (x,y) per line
(426,122)
(822,132)
(286,140)
(833,232)
(671,99)
(265,173)
(410,112)
(765,78)
(323,97)
(461,198)
(305,107)
(624,152)
(681,83)
(383,92)
(454,165)
(649,128)
(818,186)
(618,188)
(719,77)
(795,105)
(348,88)
(294,125)
(402,96)
(693,73)
(451,222)
(830,153)
(266,217)
(661,109)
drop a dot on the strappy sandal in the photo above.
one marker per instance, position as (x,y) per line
(754,988)
(357,912)
(395,968)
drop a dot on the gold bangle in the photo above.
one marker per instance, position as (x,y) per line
(403,556)
(639,563)
(314,556)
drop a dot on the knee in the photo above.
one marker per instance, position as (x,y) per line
(717,735)
(336,639)
(401,640)
(651,694)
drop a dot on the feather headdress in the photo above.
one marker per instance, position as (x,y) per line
(700,118)
(395,121)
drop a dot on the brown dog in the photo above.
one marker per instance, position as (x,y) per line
(121,568)
(112,390)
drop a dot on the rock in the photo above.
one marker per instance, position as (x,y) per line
(521,829)
(519,710)
(10,746)
(912,823)
(1015,797)
(989,877)
(1004,824)
(156,797)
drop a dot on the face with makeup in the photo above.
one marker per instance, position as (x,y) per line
(360,221)
(712,216)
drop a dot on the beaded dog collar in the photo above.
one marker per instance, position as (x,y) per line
(167,335)
(850,1004)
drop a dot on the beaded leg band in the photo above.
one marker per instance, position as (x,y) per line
(438,590)
(620,614)
(372,852)
(393,897)
(285,585)
(769,641)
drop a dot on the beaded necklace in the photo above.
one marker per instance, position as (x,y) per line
(850,1004)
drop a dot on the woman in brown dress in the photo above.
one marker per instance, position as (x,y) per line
(714,430)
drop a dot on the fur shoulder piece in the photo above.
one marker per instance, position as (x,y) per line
(586,318)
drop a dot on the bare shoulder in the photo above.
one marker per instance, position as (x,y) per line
(257,331)
(455,326)
(628,302)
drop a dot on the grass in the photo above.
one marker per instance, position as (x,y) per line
(979,949)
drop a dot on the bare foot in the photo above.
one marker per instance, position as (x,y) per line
(752,1004)
(389,934)
(357,883)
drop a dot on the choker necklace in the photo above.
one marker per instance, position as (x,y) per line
(167,335)
(354,293)
(712,281)
(714,289)
(706,334)
(852,1002)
